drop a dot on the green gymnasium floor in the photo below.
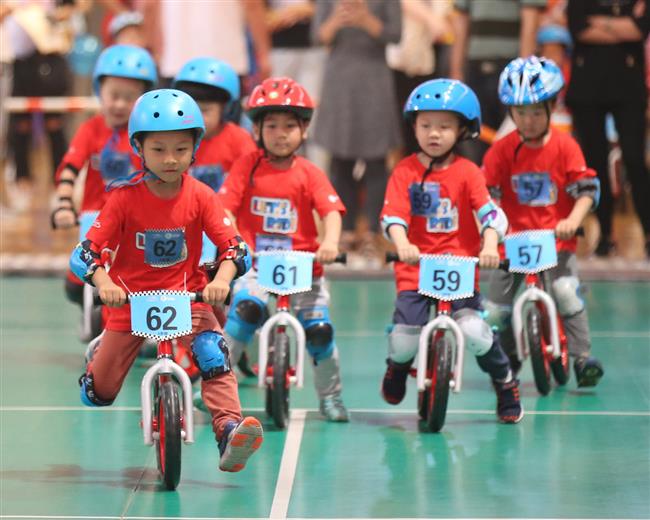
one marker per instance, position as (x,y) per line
(576,454)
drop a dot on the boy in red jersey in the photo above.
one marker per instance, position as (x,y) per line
(271,193)
(542,181)
(431,201)
(121,75)
(165,128)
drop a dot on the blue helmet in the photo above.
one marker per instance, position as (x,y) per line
(554,34)
(210,72)
(165,110)
(125,61)
(446,95)
(526,81)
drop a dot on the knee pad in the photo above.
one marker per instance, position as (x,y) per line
(210,354)
(403,341)
(319,332)
(478,334)
(565,291)
(497,315)
(88,396)
(246,314)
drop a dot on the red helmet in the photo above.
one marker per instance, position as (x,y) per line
(279,94)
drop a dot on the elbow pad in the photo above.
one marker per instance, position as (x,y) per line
(84,261)
(239,253)
(589,187)
(388,221)
(492,216)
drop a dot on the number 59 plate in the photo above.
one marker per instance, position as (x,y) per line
(161,315)
(447,277)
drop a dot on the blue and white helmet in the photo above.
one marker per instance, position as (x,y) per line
(446,95)
(165,110)
(527,81)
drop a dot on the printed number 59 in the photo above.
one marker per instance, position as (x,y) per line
(446,279)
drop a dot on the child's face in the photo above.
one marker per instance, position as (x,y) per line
(117,97)
(530,120)
(436,132)
(168,154)
(282,133)
(212,112)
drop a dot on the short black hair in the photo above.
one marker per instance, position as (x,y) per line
(203,92)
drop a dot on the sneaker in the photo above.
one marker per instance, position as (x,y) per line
(238,442)
(244,365)
(588,371)
(197,400)
(333,409)
(393,387)
(509,409)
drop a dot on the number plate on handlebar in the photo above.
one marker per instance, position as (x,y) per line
(447,277)
(161,315)
(86,220)
(531,251)
(285,272)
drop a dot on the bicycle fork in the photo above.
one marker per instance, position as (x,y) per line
(165,366)
(442,322)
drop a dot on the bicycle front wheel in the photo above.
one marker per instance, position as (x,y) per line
(438,393)
(168,444)
(280,385)
(537,346)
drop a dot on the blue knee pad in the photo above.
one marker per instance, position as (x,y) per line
(210,354)
(87,393)
(319,332)
(246,314)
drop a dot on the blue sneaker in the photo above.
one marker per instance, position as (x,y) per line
(238,442)
(333,409)
(588,371)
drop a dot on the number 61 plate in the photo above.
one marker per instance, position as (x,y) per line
(447,277)
(161,315)
(285,272)
(531,251)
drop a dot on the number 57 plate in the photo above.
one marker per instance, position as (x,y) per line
(531,251)
(445,277)
(161,315)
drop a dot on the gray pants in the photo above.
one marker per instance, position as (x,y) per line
(501,294)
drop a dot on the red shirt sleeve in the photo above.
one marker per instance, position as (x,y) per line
(79,150)
(576,166)
(478,192)
(216,223)
(397,202)
(108,226)
(325,198)
(492,168)
(232,191)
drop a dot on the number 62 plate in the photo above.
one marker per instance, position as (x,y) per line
(161,315)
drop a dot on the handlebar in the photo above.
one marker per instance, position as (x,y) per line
(394,257)
(341,258)
(194,297)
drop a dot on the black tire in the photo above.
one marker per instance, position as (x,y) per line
(537,347)
(280,385)
(96,321)
(561,367)
(168,444)
(440,361)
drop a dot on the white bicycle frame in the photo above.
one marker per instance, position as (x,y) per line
(87,312)
(166,366)
(281,317)
(445,323)
(531,296)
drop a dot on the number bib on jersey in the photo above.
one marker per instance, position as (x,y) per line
(447,277)
(164,248)
(114,165)
(535,189)
(161,314)
(212,175)
(531,251)
(86,220)
(285,272)
(273,243)
(208,251)
(425,199)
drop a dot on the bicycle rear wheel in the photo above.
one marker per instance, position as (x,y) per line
(168,443)
(560,367)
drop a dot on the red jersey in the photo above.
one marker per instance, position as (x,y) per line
(534,185)
(107,152)
(159,240)
(273,207)
(216,155)
(439,213)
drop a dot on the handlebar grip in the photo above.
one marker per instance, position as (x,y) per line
(341,258)
(580,232)
(392,257)
(197,297)
(504,264)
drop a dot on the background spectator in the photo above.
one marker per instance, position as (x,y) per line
(608,76)
(358,121)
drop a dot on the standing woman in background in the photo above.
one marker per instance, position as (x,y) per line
(358,122)
(608,76)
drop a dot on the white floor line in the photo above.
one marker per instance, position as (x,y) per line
(50,517)
(633,334)
(303,411)
(288,465)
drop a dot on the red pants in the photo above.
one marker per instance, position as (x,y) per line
(117,352)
